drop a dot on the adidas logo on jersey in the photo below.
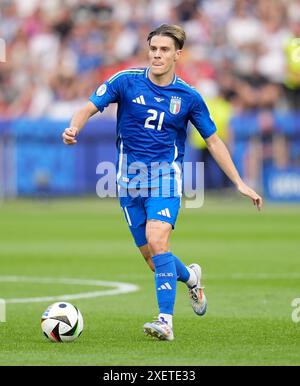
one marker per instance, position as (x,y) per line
(165,286)
(165,212)
(139,100)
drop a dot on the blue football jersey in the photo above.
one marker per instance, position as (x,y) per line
(152,125)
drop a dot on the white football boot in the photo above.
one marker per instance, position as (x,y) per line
(196,294)
(158,329)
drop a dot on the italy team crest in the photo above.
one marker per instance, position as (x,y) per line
(175,105)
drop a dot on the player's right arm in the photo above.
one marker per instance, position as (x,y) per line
(78,121)
(108,92)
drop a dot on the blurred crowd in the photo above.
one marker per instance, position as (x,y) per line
(58,51)
(243,54)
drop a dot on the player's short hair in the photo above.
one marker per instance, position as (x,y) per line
(173,31)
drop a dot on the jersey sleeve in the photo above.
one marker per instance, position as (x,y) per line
(200,117)
(106,93)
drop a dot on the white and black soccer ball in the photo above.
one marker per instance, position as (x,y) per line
(62,322)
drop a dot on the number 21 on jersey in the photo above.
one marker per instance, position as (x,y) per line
(153,118)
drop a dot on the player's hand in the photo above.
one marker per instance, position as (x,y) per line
(256,198)
(69,135)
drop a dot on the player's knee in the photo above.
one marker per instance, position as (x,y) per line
(157,245)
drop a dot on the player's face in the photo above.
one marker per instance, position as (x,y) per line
(163,55)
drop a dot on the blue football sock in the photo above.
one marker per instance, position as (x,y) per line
(182,272)
(165,281)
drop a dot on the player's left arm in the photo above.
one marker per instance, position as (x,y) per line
(220,153)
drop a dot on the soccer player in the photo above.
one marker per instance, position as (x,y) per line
(154,108)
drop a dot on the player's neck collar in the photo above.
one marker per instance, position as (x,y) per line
(170,84)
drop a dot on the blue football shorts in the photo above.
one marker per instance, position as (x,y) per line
(138,210)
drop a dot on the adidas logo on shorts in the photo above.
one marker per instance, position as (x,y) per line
(165,212)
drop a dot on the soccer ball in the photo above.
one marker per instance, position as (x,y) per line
(62,322)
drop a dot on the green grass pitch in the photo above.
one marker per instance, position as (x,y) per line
(251,274)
